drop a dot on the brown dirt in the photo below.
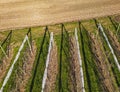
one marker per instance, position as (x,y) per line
(101,63)
(22,79)
(52,70)
(74,67)
(5,64)
(15,14)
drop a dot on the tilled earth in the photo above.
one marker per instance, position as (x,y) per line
(15,14)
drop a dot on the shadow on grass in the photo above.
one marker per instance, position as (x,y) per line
(61,47)
(38,59)
(64,41)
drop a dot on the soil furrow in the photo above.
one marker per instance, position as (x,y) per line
(52,70)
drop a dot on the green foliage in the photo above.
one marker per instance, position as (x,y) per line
(63,79)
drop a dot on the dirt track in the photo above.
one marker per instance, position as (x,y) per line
(16,14)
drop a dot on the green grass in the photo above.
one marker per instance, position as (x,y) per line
(63,79)
(35,82)
(38,41)
(89,69)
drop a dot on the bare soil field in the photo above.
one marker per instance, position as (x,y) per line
(17,14)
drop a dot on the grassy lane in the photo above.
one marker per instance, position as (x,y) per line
(63,83)
(89,69)
(35,82)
